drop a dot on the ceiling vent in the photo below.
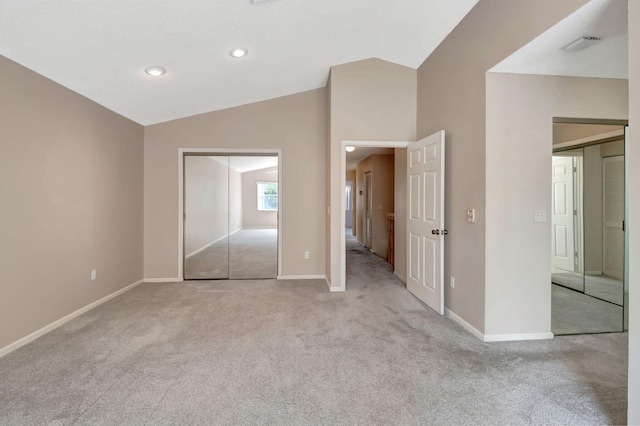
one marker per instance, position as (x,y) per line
(582,43)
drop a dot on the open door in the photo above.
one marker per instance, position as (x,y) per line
(425,222)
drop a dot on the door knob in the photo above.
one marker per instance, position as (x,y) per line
(445,232)
(435,231)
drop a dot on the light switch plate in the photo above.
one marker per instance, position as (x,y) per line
(540,216)
(471,215)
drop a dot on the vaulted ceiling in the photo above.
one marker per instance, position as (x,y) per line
(101,48)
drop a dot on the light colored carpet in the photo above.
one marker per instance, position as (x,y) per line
(292,353)
(600,286)
(573,312)
(246,254)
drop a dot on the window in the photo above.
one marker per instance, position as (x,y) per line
(267,196)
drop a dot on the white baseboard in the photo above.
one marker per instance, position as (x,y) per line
(47,328)
(302,277)
(336,289)
(495,337)
(471,329)
(162,280)
(517,336)
(400,277)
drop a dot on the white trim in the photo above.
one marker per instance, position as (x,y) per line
(589,139)
(245,151)
(163,280)
(342,182)
(47,328)
(302,277)
(471,329)
(519,336)
(336,289)
(400,277)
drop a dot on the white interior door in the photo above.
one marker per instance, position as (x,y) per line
(562,247)
(425,222)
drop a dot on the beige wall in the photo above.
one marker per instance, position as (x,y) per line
(520,111)
(370,100)
(382,189)
(400,210)
(633,156)
(206,204)
(451,96)
(351,176)
(361,168)
(295,124)
(383,196)
(251,217)
(71,190)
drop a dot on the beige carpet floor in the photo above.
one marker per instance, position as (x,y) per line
(292,353)
(600,286)
(246,254)
(573,312)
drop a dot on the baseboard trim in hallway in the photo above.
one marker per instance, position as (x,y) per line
(47,328)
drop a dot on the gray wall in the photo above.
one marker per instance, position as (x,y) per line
(71,190)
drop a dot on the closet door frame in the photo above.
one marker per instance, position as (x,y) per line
(182,152)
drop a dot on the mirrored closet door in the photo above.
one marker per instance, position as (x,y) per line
(230,216)
(588,238)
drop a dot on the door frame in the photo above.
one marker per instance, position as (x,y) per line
(342,182)
(223,151)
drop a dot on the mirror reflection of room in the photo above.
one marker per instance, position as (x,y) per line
(231,216)
(588,239)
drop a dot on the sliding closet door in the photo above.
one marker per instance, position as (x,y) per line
(231,216)
(253,201)
(206,221)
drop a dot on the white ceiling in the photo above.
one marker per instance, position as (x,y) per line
(606,59)
(247,163)
(100,48)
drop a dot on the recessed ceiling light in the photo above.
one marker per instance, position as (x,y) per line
(350,148)
(238,53)
(155,71)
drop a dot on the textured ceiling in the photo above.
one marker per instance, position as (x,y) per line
(545,55)
(99,48)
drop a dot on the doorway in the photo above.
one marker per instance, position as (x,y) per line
(589,289)
(230,210)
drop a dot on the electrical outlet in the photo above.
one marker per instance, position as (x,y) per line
(452,282)
(306,254)
(94,275)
